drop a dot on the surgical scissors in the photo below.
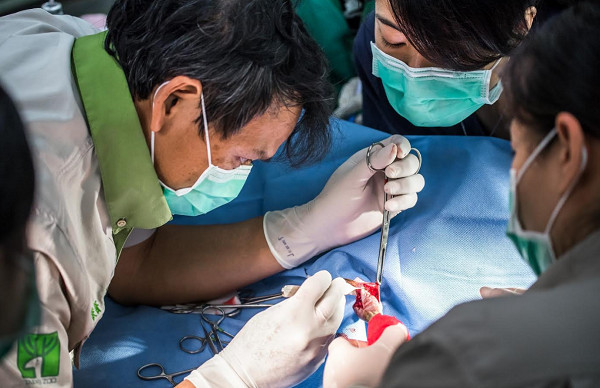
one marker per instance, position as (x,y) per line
(162,374)
(287,291)
(192,308)
(209,338)
(211,343)
(385,226)
(214,326)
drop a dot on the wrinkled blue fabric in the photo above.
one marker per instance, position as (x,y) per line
(439,253)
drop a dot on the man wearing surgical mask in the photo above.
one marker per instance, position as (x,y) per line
(433,67)
(548,336)
(162,115)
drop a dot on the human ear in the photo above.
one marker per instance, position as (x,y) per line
(167,98)
(571,139)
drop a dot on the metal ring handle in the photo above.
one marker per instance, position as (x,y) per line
(418,155)
(373,169)
(202,340)
(369,156)
(161,375)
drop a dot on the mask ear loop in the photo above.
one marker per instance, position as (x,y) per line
(534,154)
(152,133)
(205,122)
(496,64)
(567,194)
(525,166)
(152,146)
(489,79)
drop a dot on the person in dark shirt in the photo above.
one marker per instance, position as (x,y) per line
(548,335)
(438,63)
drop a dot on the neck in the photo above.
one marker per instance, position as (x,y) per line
(580,215)
(565,243)
(494,120)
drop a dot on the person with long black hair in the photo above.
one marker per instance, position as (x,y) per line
(547,336)
(433,67)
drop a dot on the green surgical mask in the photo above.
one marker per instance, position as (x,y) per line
(431,96)
(536,247)
(32,312)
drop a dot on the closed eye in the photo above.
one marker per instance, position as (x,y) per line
(392,45)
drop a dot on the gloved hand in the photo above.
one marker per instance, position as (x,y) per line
(348,365)
(282,345)
(349,207)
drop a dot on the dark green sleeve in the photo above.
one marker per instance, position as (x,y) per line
(423,362)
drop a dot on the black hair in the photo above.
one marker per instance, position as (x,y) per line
(462,34)
(556,70)
(17,177)
(249,55)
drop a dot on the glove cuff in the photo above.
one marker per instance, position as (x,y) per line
(287,241)
(216,373)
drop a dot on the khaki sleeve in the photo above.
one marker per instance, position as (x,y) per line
(41,358)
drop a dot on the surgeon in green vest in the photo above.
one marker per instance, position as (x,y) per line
(163,114)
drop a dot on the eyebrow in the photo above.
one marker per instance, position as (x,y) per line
(387,22)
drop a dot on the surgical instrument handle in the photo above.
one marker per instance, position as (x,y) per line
(385,230)
(385,227)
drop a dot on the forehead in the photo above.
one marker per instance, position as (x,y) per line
(275,122)
(383,8)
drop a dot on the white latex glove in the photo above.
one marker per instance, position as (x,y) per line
(349,366)
(282,345)
(349,207)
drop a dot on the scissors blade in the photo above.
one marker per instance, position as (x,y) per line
(385,229)
(234,306)
(261,299)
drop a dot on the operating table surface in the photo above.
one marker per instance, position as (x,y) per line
(439,253)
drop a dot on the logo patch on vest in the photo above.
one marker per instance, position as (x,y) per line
(38,358)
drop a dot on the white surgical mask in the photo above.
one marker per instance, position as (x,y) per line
(213,188)
(536,247)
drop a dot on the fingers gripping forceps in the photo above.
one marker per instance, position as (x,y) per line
(385,227)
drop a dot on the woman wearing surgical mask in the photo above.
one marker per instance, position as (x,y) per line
(19,308)
(433,67)
(549,336)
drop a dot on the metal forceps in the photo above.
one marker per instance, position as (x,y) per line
(162,374)
(247,302)
(215,329)
(385,227)
(187,338)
